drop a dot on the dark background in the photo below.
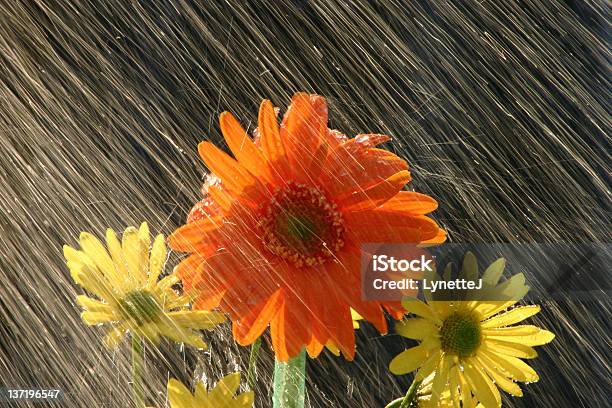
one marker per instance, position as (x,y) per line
(500,107)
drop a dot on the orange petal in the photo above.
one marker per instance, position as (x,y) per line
(247,284)
(277,334)
(348,277)
(190,237)
(344,333)
(187,269)
(317,297)
(369,140)
(409,201)
(314,348)
(208,300)
(395,309)
(318,161)
(205,208)
(355,165)
(335,137)
(291,329)
(386,226)
(303,129)
(243,148)
(248,328)
(235,178)
(219,272)
(221,197)
(334,302)
(373,313)
(439,238)
(376,195)
(270,140)
(195,280)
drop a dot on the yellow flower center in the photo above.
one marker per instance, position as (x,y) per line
(301,225)
(461,334)
(140,306)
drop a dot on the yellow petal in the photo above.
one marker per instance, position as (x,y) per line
(428,366)
(513,288)
(150,331)
(356,317)
(181,335)
(244,400)
(135,256)
(76,258)
(98,254)
(441,378)
(481,363)
(455,384)
(425,387)
(520,330)
(92,280)
(77,272)
(196,319)
(80,263)
(408,360)
(331,346)
(201,396)
(170,300)
(482,386)
(116,253)
(512,367)
(494,272)
(157,260)
(93,305)
(431,342)
(419,308)
(166,283)
(144,236)
(95,318)
(71,254)
(466,390)
(511,349)
(469,269)
(443,308)
(178,395)
(487,309)
(416,329)
(224,390)
(526,334)
(518,314)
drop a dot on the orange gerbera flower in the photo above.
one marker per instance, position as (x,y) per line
(277,239)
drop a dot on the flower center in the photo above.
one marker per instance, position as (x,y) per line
(301,225)
(460,334)
(141,306)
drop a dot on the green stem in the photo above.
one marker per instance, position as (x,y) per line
(289,382)
(253,363)
(137,365)
(411,394)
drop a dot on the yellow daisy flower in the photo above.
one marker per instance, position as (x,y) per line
(221,396)
(130,296)
(471,346)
